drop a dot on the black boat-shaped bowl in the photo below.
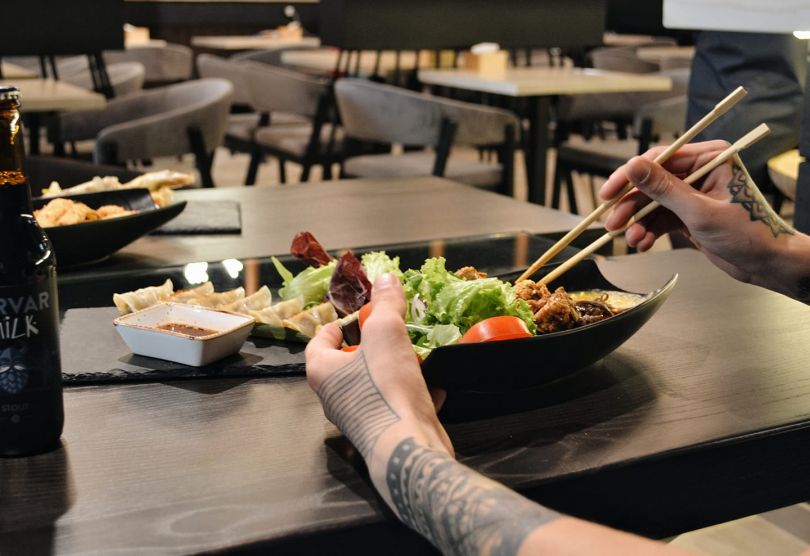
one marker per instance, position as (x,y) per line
(97,240)
(524,363)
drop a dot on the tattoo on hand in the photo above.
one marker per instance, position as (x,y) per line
(352,401)
(745,192)
(457,509)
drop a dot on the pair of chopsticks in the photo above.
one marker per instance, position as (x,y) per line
(721,108)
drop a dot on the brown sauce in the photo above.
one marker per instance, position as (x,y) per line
(187,329)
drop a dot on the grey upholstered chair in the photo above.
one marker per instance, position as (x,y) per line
(276,90)
(657,121)
(168,121)
(170,63)
(374,112)
(125,78)
(275,57)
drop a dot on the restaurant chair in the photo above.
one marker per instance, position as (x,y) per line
(125,78)
(163,65)
(590,113)
(275,57)
(168,121)
(318,142)
(657,121)
(373,112)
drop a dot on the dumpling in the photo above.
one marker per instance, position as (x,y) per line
(215,300)
(183,296)
(255,302)
(309,321)
(276,314)
(141,299)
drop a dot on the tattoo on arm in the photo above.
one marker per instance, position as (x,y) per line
(352,401)
(745,192)
(455,508)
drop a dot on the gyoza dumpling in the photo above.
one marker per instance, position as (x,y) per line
(161,178)
(183,296)
(141,299)
(255,302)
(276,314)
(215,300)
(308,322)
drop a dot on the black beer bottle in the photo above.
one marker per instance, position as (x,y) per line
(31,413)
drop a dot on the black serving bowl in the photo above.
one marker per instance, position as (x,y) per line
(524,363)
(97,240)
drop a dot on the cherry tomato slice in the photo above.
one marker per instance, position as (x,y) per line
(496,329)
(365,311)
(349,349)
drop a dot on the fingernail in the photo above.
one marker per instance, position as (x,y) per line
(639,170)
(384,281)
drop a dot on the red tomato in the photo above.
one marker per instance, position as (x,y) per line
(365,311)
(496,329)
(349,349)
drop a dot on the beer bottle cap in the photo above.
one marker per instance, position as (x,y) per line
(9,93)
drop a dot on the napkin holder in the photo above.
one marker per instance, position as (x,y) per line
(488,62)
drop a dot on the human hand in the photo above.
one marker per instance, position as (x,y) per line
(726,217)
(379,389)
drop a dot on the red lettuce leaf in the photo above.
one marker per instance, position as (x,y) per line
(305,246)
(349,288)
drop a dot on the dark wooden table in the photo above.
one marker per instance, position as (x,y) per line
(703,416)
(341,214)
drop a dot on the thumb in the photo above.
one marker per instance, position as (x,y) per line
(658,184)
(387,296)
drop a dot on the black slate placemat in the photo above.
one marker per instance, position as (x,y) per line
(93,352)
(206,217)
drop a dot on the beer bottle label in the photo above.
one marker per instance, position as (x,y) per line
(29,348)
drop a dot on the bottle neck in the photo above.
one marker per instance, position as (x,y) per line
(15,196)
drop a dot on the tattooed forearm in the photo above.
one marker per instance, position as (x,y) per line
(352,401)
(745,192)
(455,508)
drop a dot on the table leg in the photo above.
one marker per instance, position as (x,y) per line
(537,149)
(34,125)
(801,219)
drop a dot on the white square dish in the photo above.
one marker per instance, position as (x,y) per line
(211,335)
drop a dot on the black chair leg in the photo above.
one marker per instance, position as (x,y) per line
(305,169)
(202,158)
(327,170)
(557,187)
(204,164)
(253,168)
(282,171)
(572,198)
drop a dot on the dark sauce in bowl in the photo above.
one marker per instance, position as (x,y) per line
(187,329)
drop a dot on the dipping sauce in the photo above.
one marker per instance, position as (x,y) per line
(187,329)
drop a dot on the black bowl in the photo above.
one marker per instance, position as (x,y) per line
(524,363)
(94,241)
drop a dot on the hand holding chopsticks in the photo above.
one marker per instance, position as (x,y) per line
(744,142)
(721,108)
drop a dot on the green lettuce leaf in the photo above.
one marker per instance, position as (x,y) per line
(311,283)
(378,262)
(450,300)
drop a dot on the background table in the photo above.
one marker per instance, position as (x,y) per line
(702,417)
(48,95)
(342,214)
(538,85)
(238,43)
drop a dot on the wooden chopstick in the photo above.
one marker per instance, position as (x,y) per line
(721,108)
(744,142)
